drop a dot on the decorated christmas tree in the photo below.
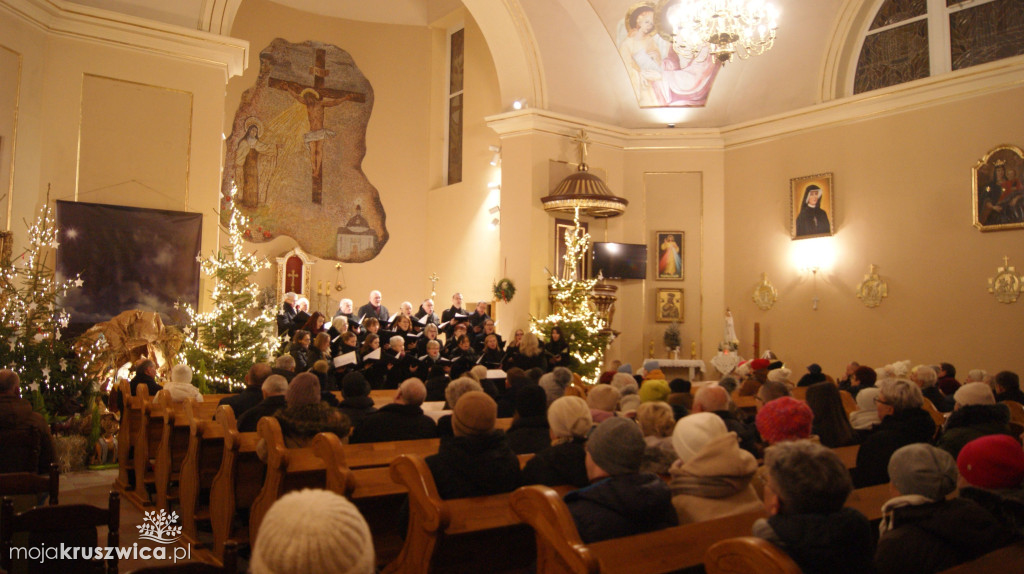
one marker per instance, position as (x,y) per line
(32,321)
(573,312)
(239,331)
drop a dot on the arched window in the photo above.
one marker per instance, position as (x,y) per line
(912,39)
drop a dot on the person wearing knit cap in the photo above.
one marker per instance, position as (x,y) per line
(814,375)
(654,390)
(904,421)
(780,375)
(923,532)
(355,392)
(555,382)
(313,531)
(712,477)
(529,432)
(784,419)
(805,495)
(758,376)
(603,401)
(477,461)
(180,386)
(992,462)
(563,462)
(975,415)
(629,400)
(620,501)
(626,368)
(650,365)
(866,415)
(306,416)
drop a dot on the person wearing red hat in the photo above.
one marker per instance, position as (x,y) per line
(991,474)
(758,376)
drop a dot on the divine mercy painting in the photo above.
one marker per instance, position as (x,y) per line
(294,156)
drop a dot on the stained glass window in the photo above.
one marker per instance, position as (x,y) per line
(986,33)
(455,77)
(895,11)
(893,57)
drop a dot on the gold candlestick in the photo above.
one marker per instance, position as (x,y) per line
(693,349)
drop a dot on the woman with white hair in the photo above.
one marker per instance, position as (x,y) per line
(180,386)
(904,422)
(564,462)
(628,390)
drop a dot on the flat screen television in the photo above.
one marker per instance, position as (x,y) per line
(619,260)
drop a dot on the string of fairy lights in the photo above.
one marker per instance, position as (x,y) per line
(573,313)
(221,344)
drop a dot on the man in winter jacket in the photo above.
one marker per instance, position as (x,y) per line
(976,415)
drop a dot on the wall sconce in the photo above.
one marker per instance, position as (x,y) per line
(519,104)
(496,158)
(814,255)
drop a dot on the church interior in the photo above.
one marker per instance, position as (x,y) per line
(407,146)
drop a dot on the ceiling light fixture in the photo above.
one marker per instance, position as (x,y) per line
(699,29)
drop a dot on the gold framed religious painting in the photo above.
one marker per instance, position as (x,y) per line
(812,199)
(669,247)
(998,197)
(669,306)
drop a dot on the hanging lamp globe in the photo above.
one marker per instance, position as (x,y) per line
(584,190)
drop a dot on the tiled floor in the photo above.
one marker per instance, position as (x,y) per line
(93,487)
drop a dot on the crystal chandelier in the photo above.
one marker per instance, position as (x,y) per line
(699,29)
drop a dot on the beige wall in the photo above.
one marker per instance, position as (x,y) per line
(433,228)
(903,202)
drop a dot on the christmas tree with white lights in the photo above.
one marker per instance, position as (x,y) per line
(573,313)
(222,344)
(32,321)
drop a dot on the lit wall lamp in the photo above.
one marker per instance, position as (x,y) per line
(814,255)
(519,104)
(496,158)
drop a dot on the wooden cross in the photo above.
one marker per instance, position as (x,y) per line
(316,97)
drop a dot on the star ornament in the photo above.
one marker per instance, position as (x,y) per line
(79,282)
(46,372)
(38,338)
(34,387)
(63,365)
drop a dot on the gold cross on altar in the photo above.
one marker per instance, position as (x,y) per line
(293,275)
(433,283)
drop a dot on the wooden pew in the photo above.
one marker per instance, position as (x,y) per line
(131,412)
(198,469)
(382,453)
(173,447)
(848,454)
(461,534)
(291,469)
(1006,559)
(560,549)
(747,555)
(237,482)
(147,440)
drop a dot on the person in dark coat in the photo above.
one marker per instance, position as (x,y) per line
(947,382)
(805,493)
(903,422)
(145,374)
(356,403)
(620,501)
(284,366)
(477,460)
(530,432)
(274,389)
(714,399)
(925,378)
(564,461)
(306,415)
(452,392)
(921,531)
(976,415)
(16,415)
(287,314)
(813,376)
(1007,386)
(401,420)
(253,392)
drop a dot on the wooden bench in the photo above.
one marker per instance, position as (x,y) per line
(198,469)
(1006,559)
(237,482)
(560,549)
(291,469)
(131,412)
(174,442)
(148,433)
(460,534)
(748,555)
(848,454)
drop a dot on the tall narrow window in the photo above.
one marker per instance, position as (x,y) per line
(456,68)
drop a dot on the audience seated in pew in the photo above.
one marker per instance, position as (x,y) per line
(657,422)
(783,419)
(830,424)
(773,390)
(284,366)
(992,474)
(866,417)
(1007,387)
(806,489)
(516,379)
(403,419)
(452,392)
(904,422)
(714,399)
(629,399)
(476,460)
(180,386)
(274,389)
(252,394)
(313,531)
(603,401)
(356,403)
(921,531)
(530,432)
(712,476)
(680,396)
(925,377)
(620,500)
(145,374)
(306,415)
(564,461)
(555,383)
(814,375)
(975,415)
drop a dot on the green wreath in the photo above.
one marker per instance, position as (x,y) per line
(504,290)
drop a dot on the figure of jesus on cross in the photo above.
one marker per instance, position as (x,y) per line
(316,98)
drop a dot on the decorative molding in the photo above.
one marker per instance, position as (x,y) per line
(218,16)
(63,18)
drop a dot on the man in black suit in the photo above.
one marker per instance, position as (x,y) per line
(374,308)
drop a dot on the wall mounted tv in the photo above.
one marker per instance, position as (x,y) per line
(619,260)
